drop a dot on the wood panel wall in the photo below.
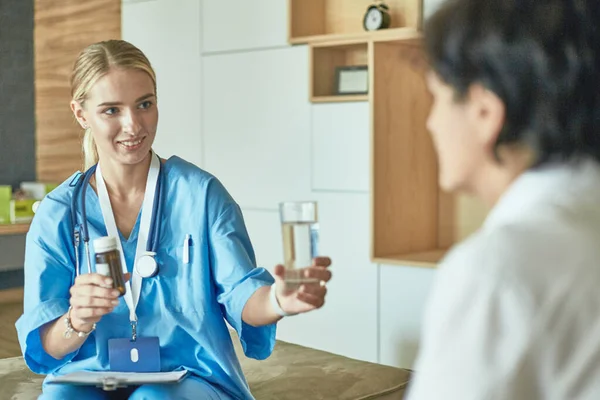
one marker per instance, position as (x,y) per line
(62,29)
(405,176)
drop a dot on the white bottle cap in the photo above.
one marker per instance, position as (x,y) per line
(104,244)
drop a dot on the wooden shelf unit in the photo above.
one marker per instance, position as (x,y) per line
(350,50)
(316,20)
(13,229)
(404,191)
(413,222)
(338,99)
(376,36)
(425,259)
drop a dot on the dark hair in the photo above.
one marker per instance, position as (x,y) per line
(540,57)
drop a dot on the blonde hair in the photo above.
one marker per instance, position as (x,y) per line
(92,64)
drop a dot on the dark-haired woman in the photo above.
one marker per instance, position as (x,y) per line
(515,309)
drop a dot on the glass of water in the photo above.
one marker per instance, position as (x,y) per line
(300,230)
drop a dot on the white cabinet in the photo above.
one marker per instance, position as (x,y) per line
(244,24)
(265,234)
(403,295)
(340,146)
(170,38)
(256,125)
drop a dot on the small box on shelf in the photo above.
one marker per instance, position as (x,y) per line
(351,80)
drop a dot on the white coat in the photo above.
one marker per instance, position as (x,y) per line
(515,309)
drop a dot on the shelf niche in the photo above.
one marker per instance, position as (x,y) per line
(325,59)
(311,20)
(413,221)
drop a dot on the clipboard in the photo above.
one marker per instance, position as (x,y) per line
(110,381)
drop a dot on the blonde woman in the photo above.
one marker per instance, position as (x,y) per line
(199,267)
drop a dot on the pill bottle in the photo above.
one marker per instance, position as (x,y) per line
(108,261)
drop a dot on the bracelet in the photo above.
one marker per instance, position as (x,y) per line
(275,303)
(70,330)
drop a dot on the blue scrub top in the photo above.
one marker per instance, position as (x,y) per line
(185,305)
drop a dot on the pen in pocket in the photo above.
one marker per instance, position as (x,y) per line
(186,249)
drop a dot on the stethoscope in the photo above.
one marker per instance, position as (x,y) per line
(146,266)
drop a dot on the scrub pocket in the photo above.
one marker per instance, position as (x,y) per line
(174,279)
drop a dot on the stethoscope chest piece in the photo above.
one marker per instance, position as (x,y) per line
(146,266)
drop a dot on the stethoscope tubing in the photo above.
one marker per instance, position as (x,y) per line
(80,230)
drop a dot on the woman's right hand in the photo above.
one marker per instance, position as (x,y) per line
(92,296)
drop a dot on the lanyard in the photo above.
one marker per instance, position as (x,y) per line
(132,295)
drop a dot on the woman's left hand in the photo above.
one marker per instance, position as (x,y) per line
(309,296)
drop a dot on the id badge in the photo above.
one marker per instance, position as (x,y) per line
(141,355)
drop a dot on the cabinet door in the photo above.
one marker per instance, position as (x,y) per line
(243,24)
(257,125)
(170,38)
(403,293)
(340,147)
(265,233)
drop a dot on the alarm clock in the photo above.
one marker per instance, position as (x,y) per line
(377,17)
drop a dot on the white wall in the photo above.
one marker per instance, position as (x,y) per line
(234,100)
(170,38)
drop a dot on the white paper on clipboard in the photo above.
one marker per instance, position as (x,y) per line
(102,378)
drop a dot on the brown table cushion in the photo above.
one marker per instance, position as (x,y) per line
(17,382)
(298,373)
(291,373)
